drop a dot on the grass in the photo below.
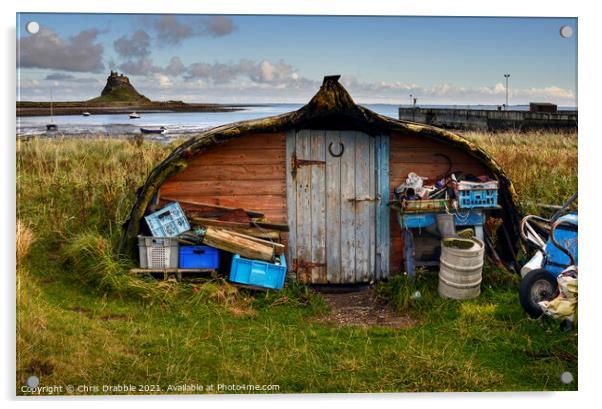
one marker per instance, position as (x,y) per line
(541,164)
(82,320)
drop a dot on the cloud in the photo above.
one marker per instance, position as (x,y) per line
(171,30)
(135,46)
(59,76)
(391,92)
(218,26)
(141,66)
(47,49)
(163,80)
(175,67)
(262,72)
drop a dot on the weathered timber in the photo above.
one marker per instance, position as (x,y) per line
(234,243)
(278,248)
(251,213)
(236,225)
(331,108)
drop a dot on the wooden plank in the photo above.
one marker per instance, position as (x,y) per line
(255,141)
(303,181)
(243,157)
(251,213)
(252,224)
(383,210)
(410,140)
(372,210)
(260,203)
(225,188)
(234,243)
(362,208)
(348,208)
(216,171)
(408,252)
(291,200)
(333,211)
(318,206)
(277,247)
(171,270)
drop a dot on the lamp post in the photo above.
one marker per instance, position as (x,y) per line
(506,76)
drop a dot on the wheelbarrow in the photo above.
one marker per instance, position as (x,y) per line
(554,255)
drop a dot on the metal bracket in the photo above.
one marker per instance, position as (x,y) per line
(365,199)
(297,163)
(304,265)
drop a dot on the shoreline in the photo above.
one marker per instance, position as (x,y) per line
(60,109)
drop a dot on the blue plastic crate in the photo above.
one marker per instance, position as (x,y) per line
(168,222)
(479,198)
(258,273)
(199,257)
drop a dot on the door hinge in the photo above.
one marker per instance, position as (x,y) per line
(297,163)
(365,199)
(304,265)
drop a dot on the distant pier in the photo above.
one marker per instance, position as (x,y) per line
(489,120)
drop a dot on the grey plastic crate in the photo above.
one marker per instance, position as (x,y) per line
(158,252)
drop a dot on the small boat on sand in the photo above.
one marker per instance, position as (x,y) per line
(159,130)
(134,115)
(85,113)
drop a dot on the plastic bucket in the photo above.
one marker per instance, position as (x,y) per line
(461,270)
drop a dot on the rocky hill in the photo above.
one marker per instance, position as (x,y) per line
(119,89)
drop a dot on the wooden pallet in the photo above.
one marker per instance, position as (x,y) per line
(178,272)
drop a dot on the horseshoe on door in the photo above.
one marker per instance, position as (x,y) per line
(336,155)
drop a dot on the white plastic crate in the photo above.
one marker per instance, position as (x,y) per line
(168,222)
(158,252)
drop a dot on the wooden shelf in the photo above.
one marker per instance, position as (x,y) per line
(178,272)
(171,270)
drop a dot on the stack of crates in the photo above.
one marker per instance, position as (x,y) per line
(473,195)
(162,251)
(158,252)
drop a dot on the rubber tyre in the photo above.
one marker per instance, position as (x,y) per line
(537,285)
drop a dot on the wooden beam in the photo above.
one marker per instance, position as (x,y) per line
(235,243)
(278,248)
(237,225)
(251,213)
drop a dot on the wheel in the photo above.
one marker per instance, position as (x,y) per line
(537,285)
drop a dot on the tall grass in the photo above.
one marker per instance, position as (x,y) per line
(68,186)
(541,164)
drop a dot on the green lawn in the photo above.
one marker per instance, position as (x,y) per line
(82,320)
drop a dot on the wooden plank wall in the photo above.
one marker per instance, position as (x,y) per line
(247,172)
(417,154)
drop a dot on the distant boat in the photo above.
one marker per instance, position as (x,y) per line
(159,130)
(85,113)
(134,115)
(51,127)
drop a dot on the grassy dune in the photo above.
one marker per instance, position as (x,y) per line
(82,320)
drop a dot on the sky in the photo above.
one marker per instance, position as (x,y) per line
(279,59)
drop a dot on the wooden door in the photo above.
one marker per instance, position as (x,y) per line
(333,201)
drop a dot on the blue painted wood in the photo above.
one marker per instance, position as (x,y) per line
(383,240)
(420,220)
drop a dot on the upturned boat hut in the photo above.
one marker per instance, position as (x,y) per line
(328,171)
